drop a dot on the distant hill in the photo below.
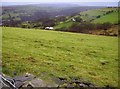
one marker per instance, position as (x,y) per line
(91,15)
(36,11)
(99,15)
(112,18)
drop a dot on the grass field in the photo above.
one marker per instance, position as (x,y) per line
(91,14)
(58,54)
(64,25)
(112,18)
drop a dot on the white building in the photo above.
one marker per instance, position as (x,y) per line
(73,20)
(49,28)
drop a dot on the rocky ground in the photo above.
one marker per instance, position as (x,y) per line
(30,81)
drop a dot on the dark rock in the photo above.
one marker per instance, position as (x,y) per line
(30,81)
(109,87)
(103,63)
(87,83)
(77,82)
(34,83)
(26,77)
(19,80)
(14,73)
(62,78)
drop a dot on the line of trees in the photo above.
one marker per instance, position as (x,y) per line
(86,27)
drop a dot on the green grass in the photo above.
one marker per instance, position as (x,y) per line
(108,9)
(65,25)
(112,18)
(91,14)
(59,54)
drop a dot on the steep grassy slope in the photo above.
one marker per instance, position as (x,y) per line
(57,54)
(112,18)
(92,14)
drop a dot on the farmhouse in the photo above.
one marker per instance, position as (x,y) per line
(49,28)
(73,20)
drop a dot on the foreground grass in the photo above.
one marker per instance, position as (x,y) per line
(59,54)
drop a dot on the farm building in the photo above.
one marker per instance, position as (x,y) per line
(49,28)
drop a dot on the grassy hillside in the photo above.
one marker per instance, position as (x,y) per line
(57,54)
(92,14)
(112,18)
(64,25)
(100,15)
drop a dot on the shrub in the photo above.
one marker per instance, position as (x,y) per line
(98,16)
(82,27)
(104,26)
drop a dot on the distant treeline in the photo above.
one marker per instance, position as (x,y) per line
(77,27)
(39,23)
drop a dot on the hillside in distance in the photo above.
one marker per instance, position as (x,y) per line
(99,15)
(94,20)
(33,12)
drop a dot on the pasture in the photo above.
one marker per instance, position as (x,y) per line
(58,54)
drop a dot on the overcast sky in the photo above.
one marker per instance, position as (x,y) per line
(96,2)
(60,0)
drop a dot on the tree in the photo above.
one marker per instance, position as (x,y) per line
(98,16)
(106,25)
(78,19)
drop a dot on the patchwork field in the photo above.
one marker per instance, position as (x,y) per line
(58,54)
